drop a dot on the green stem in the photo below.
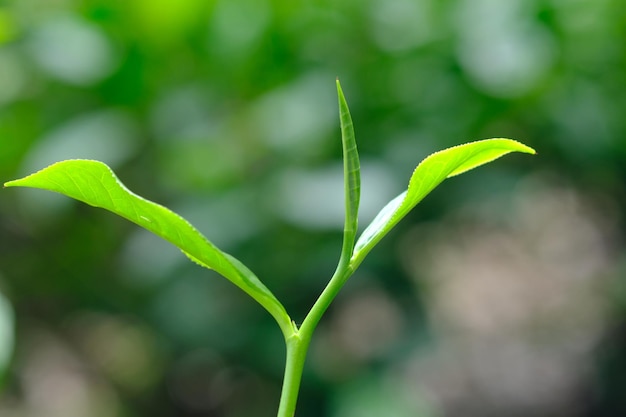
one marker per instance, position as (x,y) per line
(296,354)
(298,342)
(343,272)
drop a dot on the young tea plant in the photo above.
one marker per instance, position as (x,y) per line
(94,183)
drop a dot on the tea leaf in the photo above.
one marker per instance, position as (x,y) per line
(94,183)
(352,176)
(428,174)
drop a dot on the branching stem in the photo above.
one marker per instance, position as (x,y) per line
(297,348)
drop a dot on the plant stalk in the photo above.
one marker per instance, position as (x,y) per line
(296,355)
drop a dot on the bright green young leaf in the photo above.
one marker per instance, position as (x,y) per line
(351,175)
(428,174)
(94,183)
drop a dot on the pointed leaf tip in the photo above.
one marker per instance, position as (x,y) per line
(94,183)
(428,174)
(352,176)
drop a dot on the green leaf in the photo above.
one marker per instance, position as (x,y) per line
(351,175)
(428,174)
(94,183)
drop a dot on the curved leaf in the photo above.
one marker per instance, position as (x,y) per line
(428,174)
(351,175)
(94,183)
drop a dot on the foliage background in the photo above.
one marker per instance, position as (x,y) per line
(503,293)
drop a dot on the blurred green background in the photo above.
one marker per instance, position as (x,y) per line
(501,295)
